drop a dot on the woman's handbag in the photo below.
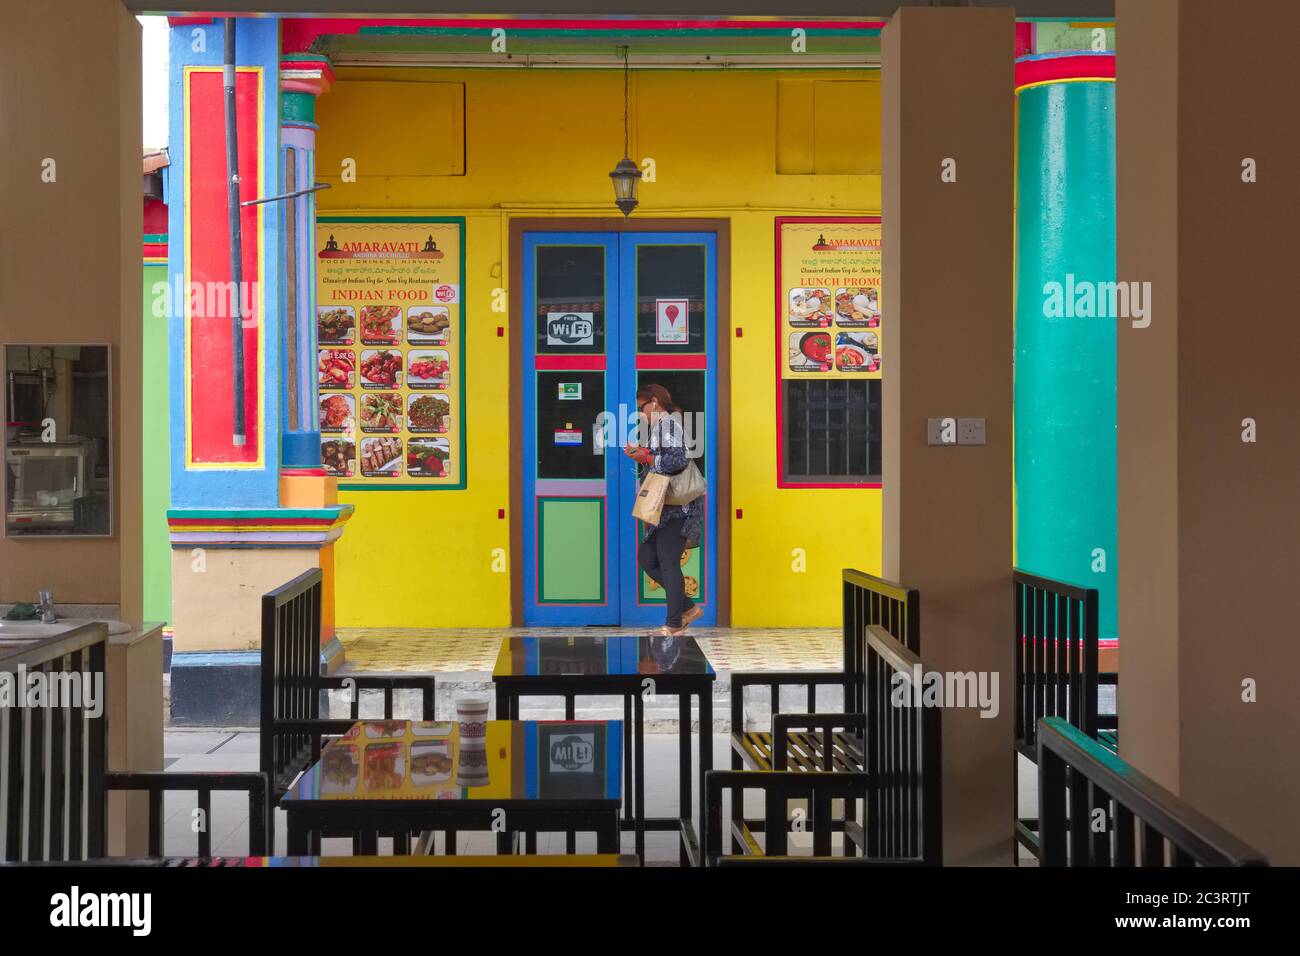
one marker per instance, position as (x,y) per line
(650,498)
(685,486)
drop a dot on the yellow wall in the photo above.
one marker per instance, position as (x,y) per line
(541,143)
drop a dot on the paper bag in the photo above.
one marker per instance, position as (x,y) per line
(650,498)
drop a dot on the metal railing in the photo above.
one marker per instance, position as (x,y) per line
(53,749)
(1144,824)
(1055,654)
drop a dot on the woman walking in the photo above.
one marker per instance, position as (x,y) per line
(659,555)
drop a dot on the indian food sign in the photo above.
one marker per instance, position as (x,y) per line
(828,298)
(390,332)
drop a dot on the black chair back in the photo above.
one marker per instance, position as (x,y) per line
(290,674)
(903,757)
(872,601)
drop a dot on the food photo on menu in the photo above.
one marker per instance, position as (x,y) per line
(337,413)
(427,413)
(810,352)
(381,368)
(381,457)
(428,324)
(336,368)
(428,369)
(857,307)
(340,769)
(810,308)
(337,457)
(385,766)
(857,352)
(431,762)
(428,458)
(336,325)
(381,412)
(380,324)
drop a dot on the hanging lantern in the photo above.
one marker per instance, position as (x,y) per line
(626,174)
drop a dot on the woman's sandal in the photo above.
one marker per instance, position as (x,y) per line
(689,616)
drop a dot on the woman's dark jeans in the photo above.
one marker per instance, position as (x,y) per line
(660,557)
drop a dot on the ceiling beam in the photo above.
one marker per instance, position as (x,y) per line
(792,9)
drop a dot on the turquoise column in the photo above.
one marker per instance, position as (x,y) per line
(1065,451)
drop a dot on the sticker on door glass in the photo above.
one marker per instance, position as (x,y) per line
(568,435)
(672,321)
(570,392)
(570,328)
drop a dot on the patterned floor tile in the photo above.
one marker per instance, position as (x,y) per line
(425,650)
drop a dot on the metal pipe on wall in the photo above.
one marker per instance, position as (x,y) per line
(236,243)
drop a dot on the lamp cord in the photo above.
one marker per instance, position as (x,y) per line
(625,101)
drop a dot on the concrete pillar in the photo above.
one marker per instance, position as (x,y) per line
(1209,531)
(947,106)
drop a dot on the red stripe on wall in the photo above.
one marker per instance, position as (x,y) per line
(570,363)
(671,361)
(211,368)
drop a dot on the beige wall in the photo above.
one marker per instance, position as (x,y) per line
(1209,525)
(218,604)
(70,253)
(947,510)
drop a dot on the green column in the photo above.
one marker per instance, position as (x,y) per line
(1065,367)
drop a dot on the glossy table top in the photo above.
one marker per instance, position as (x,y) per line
(597,656)
(519,760)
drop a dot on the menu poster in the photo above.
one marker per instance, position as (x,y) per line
(828,308)
(390,329)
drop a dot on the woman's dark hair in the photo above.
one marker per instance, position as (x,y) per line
(659,394)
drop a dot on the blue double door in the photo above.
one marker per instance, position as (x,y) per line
(603,315)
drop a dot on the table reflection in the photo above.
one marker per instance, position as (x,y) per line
(600,656)
(428,760)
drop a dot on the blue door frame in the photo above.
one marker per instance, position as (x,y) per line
(565,518)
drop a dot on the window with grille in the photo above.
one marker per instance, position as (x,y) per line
(831,431)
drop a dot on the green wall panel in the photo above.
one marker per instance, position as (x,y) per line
(156,467)
(571,566)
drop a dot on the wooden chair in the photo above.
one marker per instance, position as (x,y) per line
(868,601)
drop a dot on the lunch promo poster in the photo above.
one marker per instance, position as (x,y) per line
(828,288)
(390,335)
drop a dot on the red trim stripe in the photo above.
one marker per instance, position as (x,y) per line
(1092,66)
(570,363)
(670,361)
(279,522)
(300,32)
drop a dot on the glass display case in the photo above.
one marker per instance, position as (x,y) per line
(57,463)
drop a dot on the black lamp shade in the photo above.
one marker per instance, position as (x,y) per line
(626,175)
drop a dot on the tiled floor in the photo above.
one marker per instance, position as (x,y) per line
(429,650)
